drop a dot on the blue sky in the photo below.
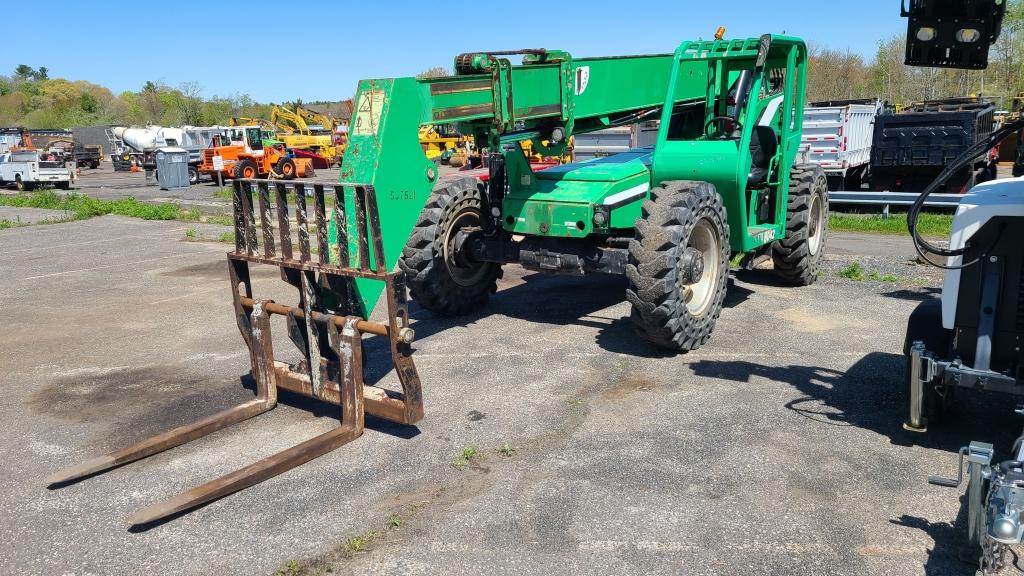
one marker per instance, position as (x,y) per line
(314,50)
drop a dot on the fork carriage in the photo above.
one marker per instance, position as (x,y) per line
(325,326)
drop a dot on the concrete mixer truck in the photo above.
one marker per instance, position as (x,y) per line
(137,146)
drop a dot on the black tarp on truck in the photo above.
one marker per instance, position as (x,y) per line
(911,147)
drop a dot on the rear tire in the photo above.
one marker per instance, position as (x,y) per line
(286,168)
(246,169)
(436,281)
(668,312)
(798,256)
(193,175)
(19,184)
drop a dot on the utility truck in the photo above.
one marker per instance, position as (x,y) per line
(25,170)
(719,181)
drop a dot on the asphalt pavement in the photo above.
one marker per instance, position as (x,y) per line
(775,449)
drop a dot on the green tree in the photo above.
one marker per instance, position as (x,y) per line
(88,102)
(435,72)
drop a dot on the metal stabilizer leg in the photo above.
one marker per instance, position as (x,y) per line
(347,344)
(920,374)
(258,324)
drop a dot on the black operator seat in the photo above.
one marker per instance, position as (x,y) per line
(763,146)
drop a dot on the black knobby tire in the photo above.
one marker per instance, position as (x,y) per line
(193,175)
(286,168)
(246,165)
(19,184)
(63,185)
(799,255)
(435,280)
(678,215)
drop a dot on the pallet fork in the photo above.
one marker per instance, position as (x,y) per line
(324,327)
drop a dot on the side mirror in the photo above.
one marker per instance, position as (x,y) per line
(764,43)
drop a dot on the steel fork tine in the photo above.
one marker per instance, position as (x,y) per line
(160,442)
(348,345)
(266,398)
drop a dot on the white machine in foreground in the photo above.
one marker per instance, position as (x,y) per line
(971,338)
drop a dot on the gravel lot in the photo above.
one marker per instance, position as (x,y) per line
(775,449)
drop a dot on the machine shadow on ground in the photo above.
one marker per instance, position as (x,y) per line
(872,395)
(551,300)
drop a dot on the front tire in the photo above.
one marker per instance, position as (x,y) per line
(286,168)
(246,169)
(193,175)
(437,280)
(673,306)
(798,256)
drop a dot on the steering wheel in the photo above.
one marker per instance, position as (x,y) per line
(722,120)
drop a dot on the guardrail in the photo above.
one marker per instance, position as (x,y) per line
(886,199)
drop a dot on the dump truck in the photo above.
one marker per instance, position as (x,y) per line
(719,181)
(910,148)
(837,136)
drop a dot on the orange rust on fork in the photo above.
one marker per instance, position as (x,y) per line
(329,336)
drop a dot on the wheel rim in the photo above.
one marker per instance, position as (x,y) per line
(462,275)
(287,169)
(705,239)
(247,172)
(816,226)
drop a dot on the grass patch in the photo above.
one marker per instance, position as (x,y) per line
(190,234)
(222,219)
(359,543)
(227,238)
(289,569)
(882,277)
(895,224)
(82,207)
(5,224)
(853,272)
(506,449)
(465,457)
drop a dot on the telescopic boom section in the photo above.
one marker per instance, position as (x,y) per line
(549,97)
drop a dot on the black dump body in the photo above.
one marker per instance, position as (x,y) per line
(910,148)
(88,155)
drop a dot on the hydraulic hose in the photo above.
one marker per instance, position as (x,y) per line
(920,244)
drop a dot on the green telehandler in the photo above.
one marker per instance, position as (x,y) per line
(720,181)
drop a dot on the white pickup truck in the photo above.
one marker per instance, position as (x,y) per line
(26,170)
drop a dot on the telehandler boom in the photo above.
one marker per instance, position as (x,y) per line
(720,180)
